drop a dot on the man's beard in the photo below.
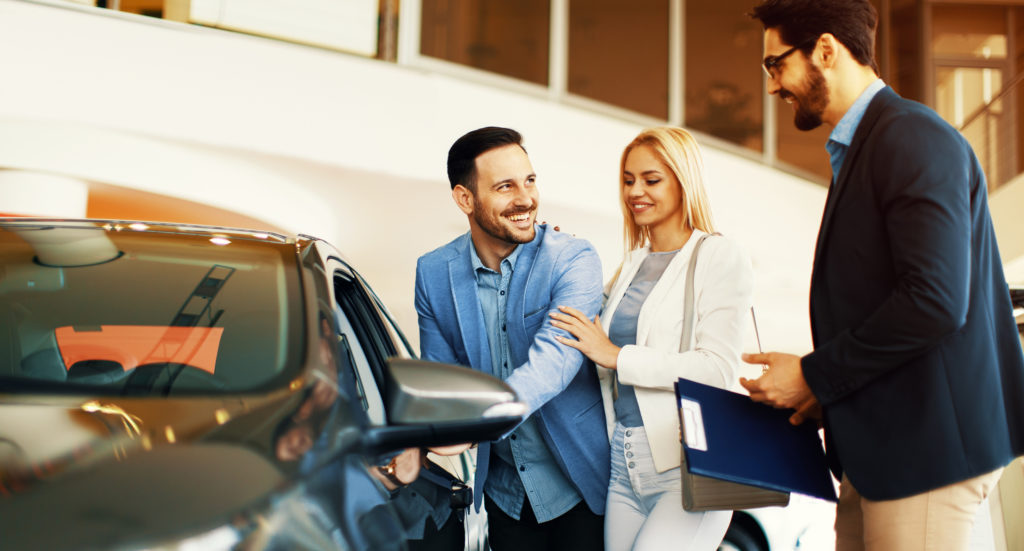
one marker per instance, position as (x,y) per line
(493,227)
(811,105)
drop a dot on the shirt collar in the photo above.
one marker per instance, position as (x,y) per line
(843,132)
(479,265)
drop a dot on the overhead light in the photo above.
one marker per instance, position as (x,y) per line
(138,226)
(220,241)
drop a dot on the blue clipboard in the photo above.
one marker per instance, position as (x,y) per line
(730,437)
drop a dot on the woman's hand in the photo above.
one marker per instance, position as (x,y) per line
(591,339)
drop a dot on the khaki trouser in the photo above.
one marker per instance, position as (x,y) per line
(939,519)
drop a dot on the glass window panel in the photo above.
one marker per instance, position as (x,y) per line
(1016,99)
(509,38)
(724,89)
(153,8)
(905,56)
(969,31)
(961,91)
(350,26)
(618,53)
(959,94)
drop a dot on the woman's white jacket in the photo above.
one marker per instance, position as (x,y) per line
(723,281)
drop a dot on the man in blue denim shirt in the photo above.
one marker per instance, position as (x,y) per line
(482,302)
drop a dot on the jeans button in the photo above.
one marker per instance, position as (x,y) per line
(628,445)
(629,454)
(632,465)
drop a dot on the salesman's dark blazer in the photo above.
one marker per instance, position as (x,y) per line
(917,360)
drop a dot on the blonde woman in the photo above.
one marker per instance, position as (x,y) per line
(635,342)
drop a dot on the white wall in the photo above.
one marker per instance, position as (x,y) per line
(346,148)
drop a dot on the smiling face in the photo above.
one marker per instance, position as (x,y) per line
(503,208)
(798,81)
(651,191)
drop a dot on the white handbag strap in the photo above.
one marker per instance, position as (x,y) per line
(688,318)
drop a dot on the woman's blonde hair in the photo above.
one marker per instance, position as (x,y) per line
(678,151)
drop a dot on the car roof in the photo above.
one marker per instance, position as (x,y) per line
(149,226)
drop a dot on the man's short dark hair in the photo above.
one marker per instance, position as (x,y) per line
(799,22)
(463,153)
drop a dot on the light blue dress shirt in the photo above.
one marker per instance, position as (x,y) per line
(521,465)
(842,135)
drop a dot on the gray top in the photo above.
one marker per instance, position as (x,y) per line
(622,330)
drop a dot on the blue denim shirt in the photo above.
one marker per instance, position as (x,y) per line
(842,135)
(520,465)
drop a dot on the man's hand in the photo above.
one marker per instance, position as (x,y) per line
(782,385)
(809,410)
(404,469)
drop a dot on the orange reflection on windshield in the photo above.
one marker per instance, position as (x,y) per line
(134,345)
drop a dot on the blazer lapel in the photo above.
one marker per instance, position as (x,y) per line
(467,308)
(878,104)
(515,307)
(630,266)
(674,272)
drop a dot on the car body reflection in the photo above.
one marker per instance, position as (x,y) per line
(235,393)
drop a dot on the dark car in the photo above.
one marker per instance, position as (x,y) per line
(171,385)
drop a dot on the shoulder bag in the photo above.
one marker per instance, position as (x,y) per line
(701,493)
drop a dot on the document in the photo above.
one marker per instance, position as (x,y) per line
(730,437)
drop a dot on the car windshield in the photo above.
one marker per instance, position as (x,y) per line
(119,309)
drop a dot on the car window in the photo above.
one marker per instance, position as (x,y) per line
(405,349)
(363,335)
(354,362)
(144,312)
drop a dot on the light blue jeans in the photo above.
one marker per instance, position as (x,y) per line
(645,507)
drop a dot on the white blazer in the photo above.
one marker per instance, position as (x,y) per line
(722,282)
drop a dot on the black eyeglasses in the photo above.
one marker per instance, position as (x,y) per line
(771,63)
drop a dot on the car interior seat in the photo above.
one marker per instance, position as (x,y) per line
(10,344)
(95,371)
(45,364)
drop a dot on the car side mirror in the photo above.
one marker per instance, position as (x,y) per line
(434,404)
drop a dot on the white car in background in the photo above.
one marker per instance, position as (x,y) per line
(805,524)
